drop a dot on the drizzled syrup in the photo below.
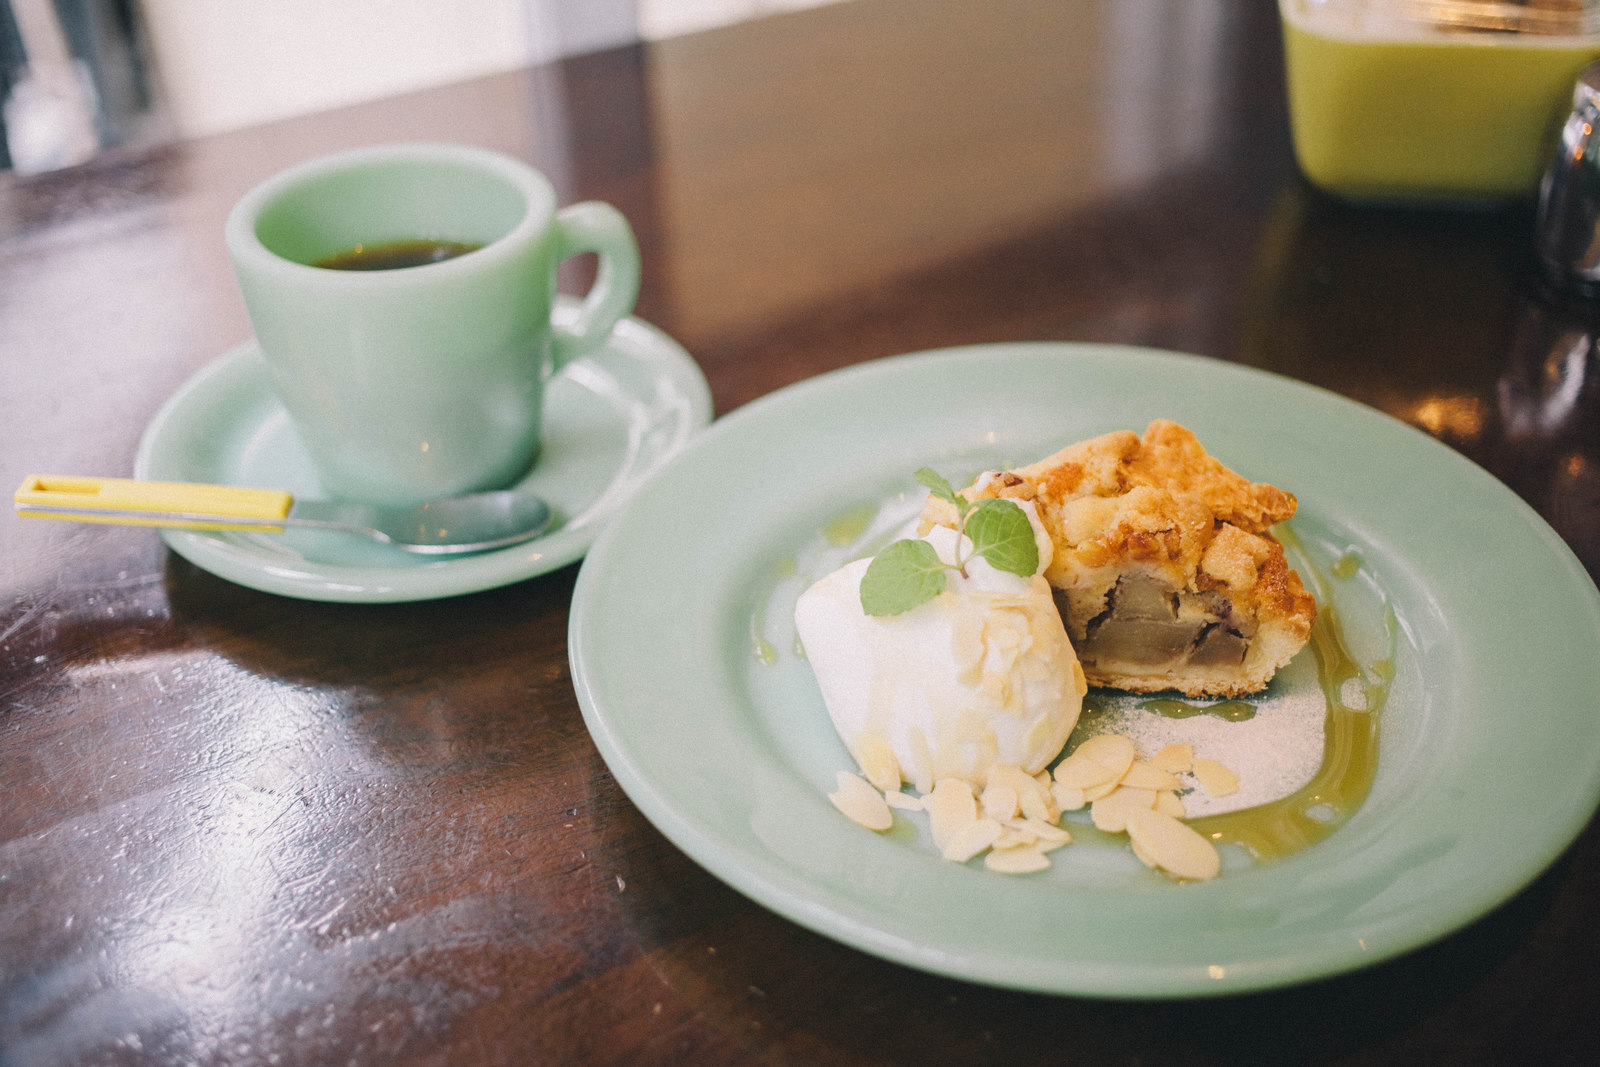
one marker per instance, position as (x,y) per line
(1355,698)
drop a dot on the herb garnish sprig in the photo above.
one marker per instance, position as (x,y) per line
(909,572)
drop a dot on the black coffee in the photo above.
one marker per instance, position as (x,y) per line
(392,255)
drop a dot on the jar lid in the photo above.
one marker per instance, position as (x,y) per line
(1541,18)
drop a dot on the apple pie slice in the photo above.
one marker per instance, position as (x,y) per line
(1165,569)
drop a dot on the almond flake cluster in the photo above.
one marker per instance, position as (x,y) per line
(1015,821)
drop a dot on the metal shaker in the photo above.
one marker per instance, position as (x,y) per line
(1568,221)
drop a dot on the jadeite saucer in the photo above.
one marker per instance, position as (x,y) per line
(611,420)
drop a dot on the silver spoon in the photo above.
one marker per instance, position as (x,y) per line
(472,522)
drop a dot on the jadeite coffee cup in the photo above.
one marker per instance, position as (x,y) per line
(423,381)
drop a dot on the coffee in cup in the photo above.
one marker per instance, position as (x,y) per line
(402,295)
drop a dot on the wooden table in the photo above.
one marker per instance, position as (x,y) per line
(242,828)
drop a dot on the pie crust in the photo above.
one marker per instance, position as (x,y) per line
(1165,568)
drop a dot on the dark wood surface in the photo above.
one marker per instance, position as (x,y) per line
(240,828)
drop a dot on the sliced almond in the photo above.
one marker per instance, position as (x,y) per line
(1215,778)
(951,806)
(878,762)
(1108,750)
(1068,798)
(1033,798)
(1110,812)
(1016,836)
(1174,759)
(999,802)
(904,801)
(972,839)
(1172,846)
(1014,777)
(1040,805)
(862,803)
(1143,776)
(1083,773)
(1143,856)
(1007,774)
(1045,831)
(1169,803)
(1094,793)
(1023,860)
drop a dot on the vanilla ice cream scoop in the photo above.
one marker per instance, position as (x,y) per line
(981,674)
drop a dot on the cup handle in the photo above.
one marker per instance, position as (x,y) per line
(600,228)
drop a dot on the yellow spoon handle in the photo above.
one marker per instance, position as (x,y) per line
(128,502)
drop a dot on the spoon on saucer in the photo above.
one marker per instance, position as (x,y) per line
(472,522)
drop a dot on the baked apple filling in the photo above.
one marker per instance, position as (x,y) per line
(1149,625)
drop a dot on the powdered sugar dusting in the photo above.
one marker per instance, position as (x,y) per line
(1274,753)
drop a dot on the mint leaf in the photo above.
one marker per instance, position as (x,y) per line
(903,575)
(937,485)
(1002,534)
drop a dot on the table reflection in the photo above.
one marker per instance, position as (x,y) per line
(1547,404)
(1442,319)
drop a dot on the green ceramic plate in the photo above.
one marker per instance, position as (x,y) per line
(611,419)
(691,687)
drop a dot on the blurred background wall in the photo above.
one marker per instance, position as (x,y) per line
(79,76)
